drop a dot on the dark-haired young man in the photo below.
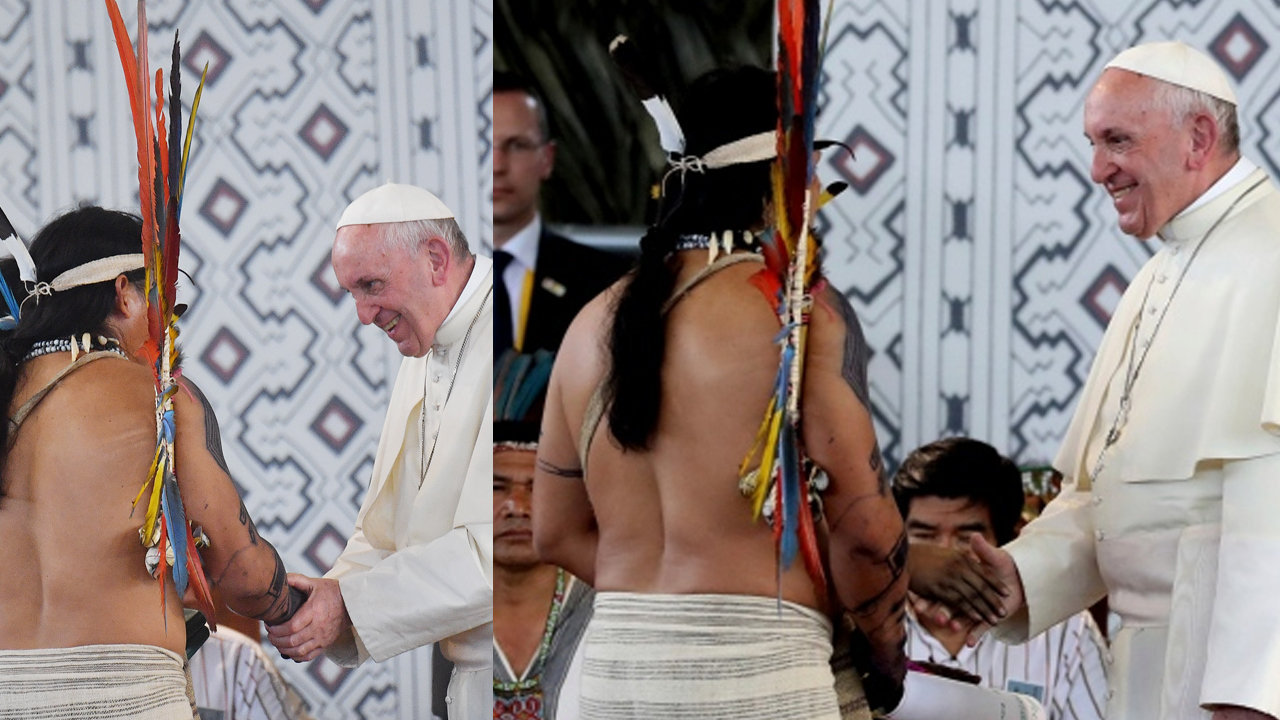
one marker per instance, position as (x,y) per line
(948,491)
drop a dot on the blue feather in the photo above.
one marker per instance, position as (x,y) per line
(790,496)
(166,424)
(176,522)
(789,513)
(9,300)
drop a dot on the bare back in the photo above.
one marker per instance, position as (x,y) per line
(74,573)
(76,464)
(672,519)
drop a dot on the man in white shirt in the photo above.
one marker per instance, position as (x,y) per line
(949,491)
(233,679)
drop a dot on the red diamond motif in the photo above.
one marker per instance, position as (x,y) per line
(1238,47)
(868,162)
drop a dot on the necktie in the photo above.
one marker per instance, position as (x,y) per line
(502,304)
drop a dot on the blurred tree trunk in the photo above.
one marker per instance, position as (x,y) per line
(608,155)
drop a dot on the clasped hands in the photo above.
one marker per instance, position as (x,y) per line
(969,590)
(316,625)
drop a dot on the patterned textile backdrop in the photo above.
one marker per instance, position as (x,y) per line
(308,104)
(983,262)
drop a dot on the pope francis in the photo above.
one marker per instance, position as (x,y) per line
(419,567)
(1172,460)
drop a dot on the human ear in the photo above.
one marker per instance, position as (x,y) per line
(125,295)
(439,256)
(548,158)
(1204,140)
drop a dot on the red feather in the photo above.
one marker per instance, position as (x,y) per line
(127,60)
(204,597)
(777,509)
(146,160)
(809,546)
(769,284)
(791,35)
(162,133)
(149,350)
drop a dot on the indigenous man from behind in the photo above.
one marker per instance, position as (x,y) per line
(83,631)
(656,396)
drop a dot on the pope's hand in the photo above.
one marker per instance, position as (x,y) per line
(1006,570)
(316,625)
(958,584)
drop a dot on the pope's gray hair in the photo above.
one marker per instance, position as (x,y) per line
(412,235)
(1182,102)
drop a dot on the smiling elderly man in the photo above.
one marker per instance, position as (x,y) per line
(1172,458)
(419,567)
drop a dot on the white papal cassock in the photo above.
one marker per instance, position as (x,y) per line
(1181,527)
(419,568)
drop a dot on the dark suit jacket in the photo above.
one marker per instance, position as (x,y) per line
(567,276)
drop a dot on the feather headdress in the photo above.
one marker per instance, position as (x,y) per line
(162,164)
(783,480)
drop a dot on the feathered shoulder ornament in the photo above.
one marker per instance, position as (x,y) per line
(784,484)
(162,163)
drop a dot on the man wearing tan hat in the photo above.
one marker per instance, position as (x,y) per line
(419,567)
(1172,459)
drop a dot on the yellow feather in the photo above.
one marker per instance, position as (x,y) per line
(151,473)
(191,126)
(766,462)
(779,205)
(157,480)
(757,444)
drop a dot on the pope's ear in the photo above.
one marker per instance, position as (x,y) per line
(439,258)
(1204,137)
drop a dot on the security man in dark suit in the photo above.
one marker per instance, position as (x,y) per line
(541,279)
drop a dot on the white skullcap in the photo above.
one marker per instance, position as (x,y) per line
(1177,64)
(392,203)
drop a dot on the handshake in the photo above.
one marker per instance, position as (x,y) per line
(318,620)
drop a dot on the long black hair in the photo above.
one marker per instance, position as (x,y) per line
(72,239)
(719,107)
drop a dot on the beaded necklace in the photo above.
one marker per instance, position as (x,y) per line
(718,244)
(73,345)
(522,699)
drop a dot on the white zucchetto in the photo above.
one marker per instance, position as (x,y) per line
(1178,64)
(392,203)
